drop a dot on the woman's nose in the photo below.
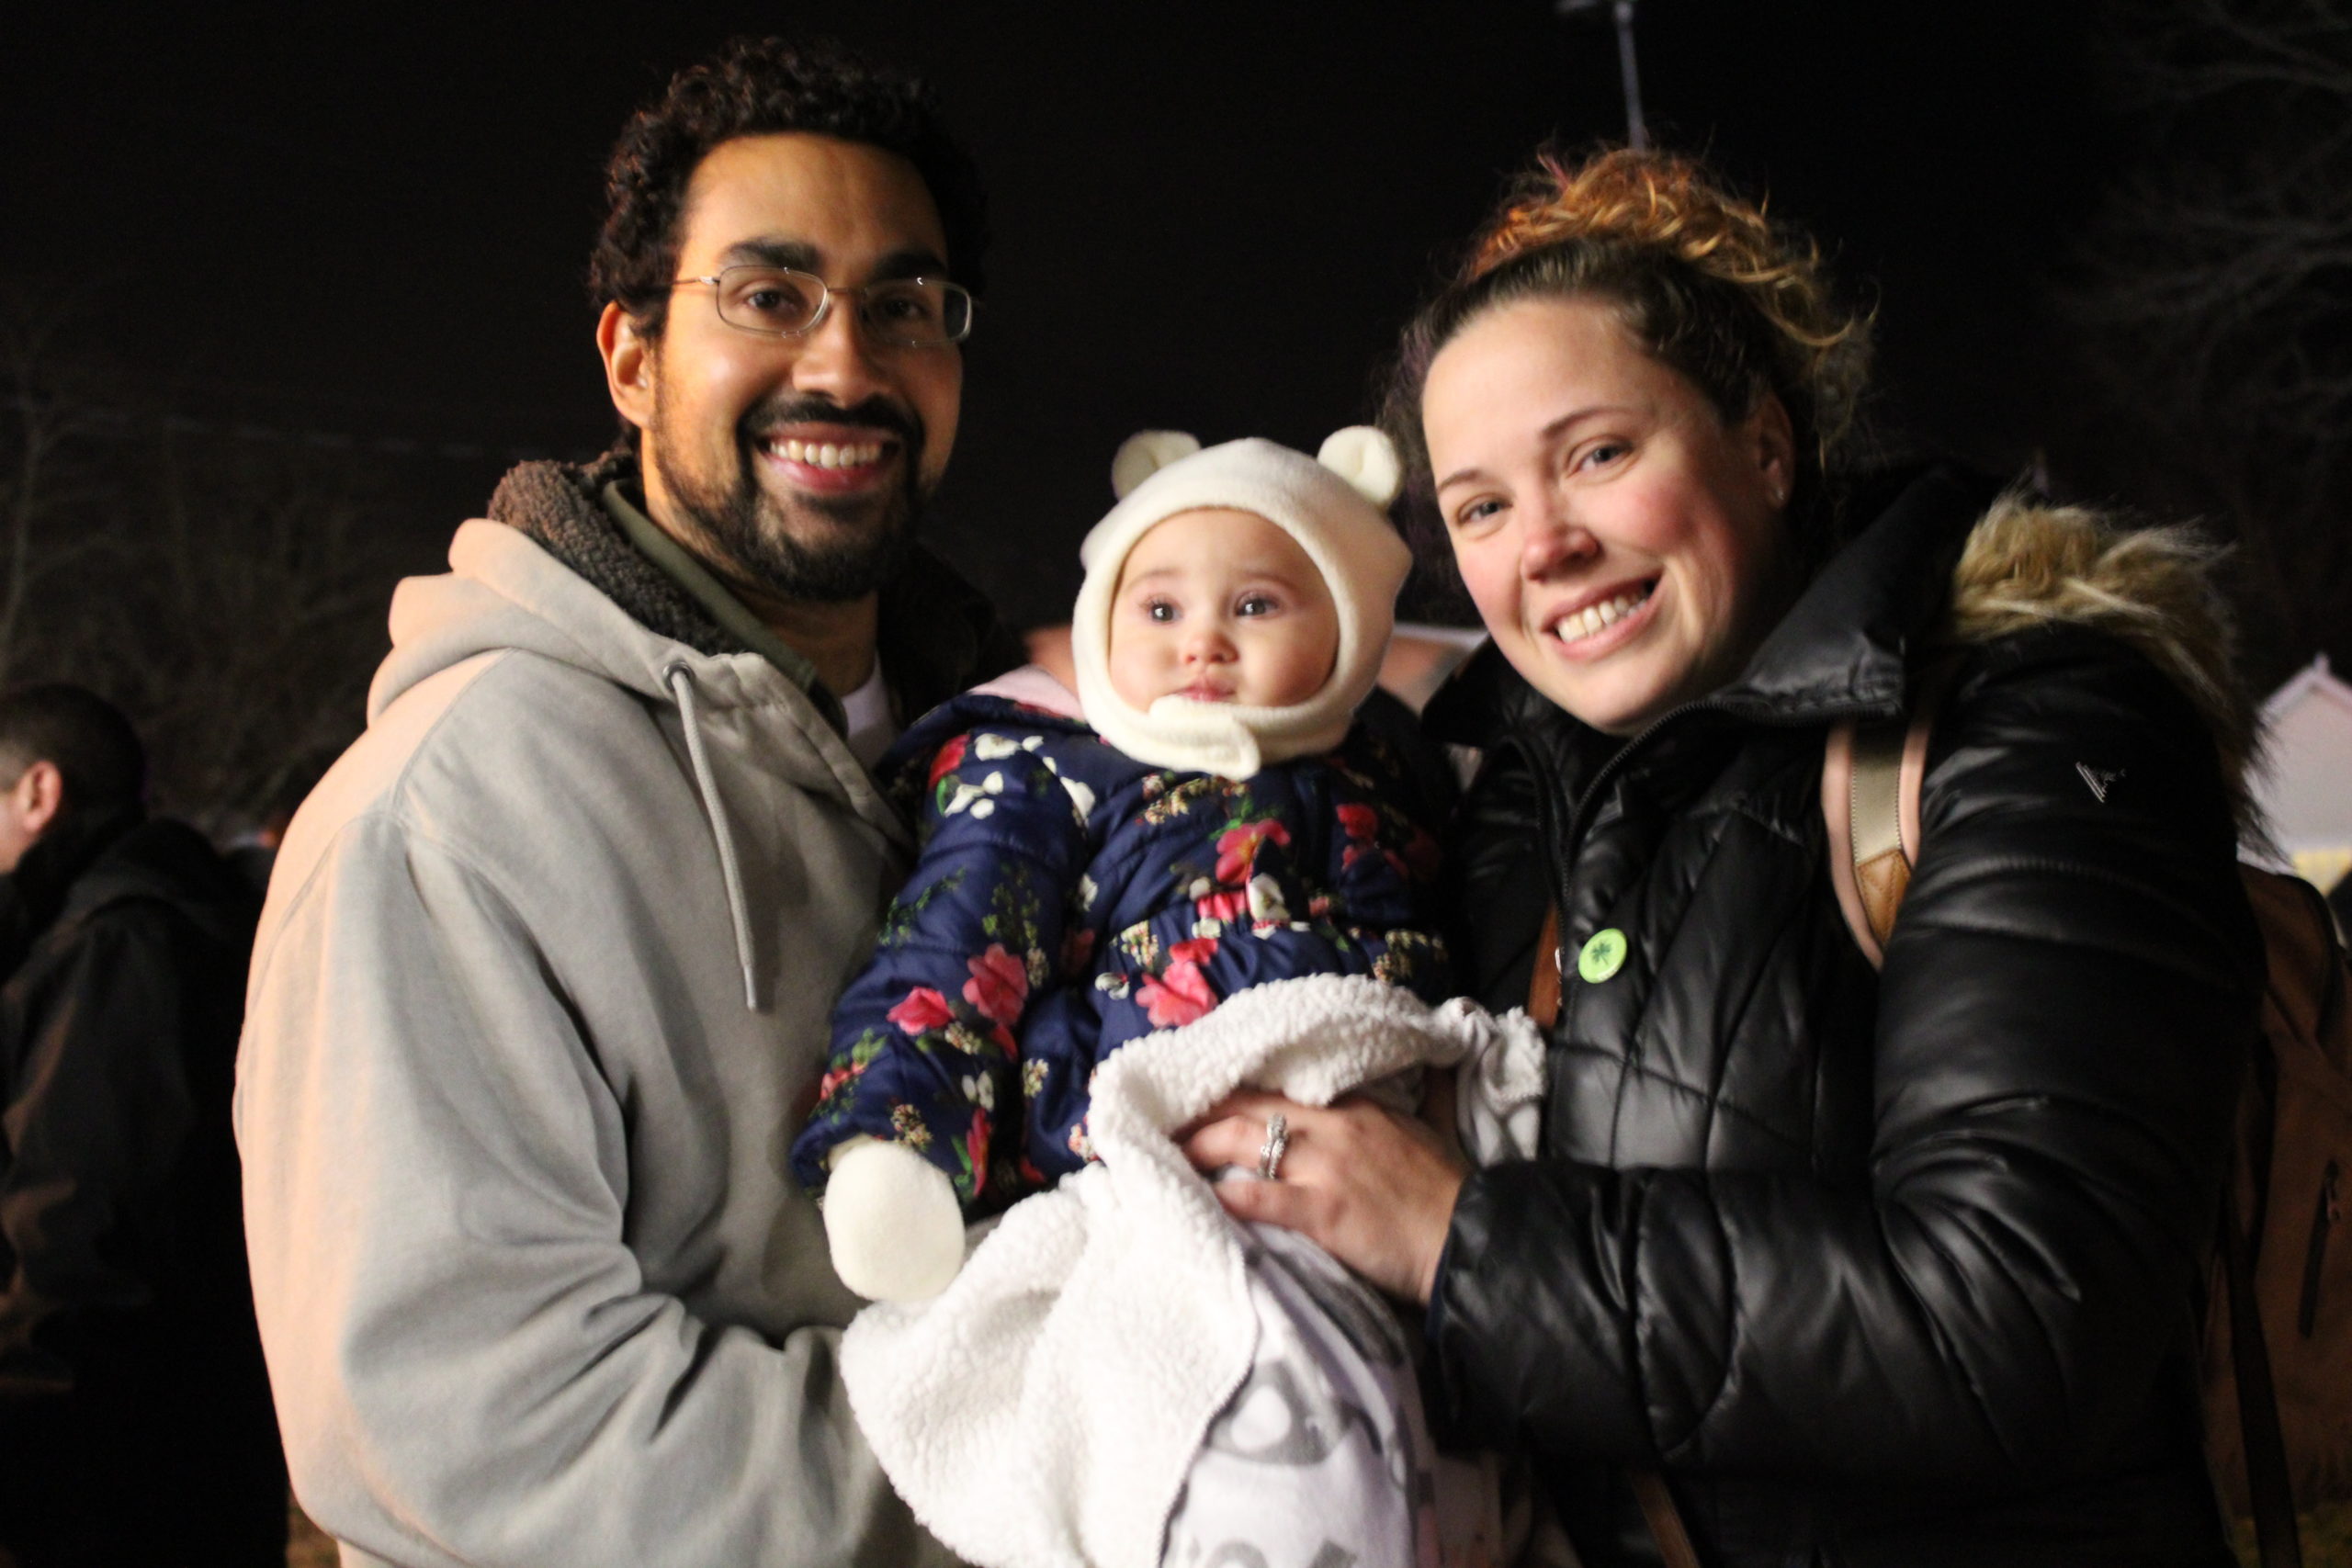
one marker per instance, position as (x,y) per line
(1554,541)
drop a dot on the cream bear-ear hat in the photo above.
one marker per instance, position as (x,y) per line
(1333,503)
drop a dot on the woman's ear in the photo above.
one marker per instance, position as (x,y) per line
(1773,442)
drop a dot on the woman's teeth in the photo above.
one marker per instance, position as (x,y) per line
(1594,618)
(829,455)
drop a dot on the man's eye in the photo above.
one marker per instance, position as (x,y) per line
(908,305)
(773,300)
(903,308)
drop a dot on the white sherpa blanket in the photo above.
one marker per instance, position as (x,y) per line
(1043,1410)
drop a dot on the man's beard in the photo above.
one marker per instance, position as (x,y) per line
(866,539)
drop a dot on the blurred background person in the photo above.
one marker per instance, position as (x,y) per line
(135,1425)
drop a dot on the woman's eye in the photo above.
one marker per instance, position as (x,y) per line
(1603,453)
(1477,513)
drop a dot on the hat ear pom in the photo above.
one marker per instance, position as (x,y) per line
(1366,459)
(1144,453)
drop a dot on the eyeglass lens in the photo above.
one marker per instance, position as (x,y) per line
(915,310)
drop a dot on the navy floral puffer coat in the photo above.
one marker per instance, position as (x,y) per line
(1070,898)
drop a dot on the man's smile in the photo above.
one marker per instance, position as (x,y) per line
(830,459)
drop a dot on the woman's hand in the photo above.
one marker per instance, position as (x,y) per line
(1374,1189)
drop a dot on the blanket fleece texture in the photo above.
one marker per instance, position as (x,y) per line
(1043,1410)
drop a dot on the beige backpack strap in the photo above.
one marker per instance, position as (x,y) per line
(1871,778)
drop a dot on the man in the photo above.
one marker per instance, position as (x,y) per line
(135,1426)
(541,995)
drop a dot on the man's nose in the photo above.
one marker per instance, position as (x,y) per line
(1552,541)
(838,356)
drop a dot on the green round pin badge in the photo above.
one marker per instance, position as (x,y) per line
(1603,955)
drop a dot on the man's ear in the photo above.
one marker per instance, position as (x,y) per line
(628,363)
(38,796)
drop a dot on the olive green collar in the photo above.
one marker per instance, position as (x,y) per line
(702,586)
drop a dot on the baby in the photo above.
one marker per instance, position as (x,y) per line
(1203,816)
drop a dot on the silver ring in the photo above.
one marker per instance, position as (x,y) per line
(1270,1153)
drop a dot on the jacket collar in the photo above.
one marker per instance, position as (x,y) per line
(1846,646)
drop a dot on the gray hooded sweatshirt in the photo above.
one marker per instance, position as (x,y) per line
(535,1281)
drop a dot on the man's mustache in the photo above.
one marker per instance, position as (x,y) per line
(874,414)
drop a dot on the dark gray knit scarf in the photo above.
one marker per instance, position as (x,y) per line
(560,508)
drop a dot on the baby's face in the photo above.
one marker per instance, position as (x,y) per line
(1221,606)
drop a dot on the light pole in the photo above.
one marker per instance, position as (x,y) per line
(1638,130)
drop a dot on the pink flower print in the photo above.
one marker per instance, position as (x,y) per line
(975,1145)
(1194,950)
(832,1082)
(1360,821)
(1237,849)
(923,1008)
(1225,906)
(943,762)
(1177,996)
(1000,984)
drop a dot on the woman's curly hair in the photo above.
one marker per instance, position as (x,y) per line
(761,87)
(1706,282)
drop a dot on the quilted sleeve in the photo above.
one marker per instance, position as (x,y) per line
(926,1039)
(1381,870)
(2060,1026)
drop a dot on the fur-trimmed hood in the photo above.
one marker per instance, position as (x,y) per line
(2027,564)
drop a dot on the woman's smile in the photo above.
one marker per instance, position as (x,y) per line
(1622,541)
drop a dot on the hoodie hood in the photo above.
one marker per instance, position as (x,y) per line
(506,590)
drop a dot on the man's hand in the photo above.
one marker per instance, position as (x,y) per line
(1372,1188)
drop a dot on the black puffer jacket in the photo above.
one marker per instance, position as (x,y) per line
(1879,1270)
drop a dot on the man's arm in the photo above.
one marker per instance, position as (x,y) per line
(468,1364)
(99,1112)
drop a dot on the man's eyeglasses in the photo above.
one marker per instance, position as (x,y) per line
(778,301)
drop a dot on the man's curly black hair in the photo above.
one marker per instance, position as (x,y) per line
(760,87)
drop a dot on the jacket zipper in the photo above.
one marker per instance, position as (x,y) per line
(2326,1215)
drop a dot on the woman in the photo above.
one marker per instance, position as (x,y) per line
(1876,1268)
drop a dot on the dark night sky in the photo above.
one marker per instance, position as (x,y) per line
(373,222)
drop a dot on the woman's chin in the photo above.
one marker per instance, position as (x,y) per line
(1618,694)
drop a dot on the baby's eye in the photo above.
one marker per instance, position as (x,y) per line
(1158,610)
(1257,604)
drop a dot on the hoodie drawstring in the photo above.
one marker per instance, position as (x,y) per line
(681,681)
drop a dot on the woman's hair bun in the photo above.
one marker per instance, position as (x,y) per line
(1667,203)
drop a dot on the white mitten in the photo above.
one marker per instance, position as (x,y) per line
(892,1221)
